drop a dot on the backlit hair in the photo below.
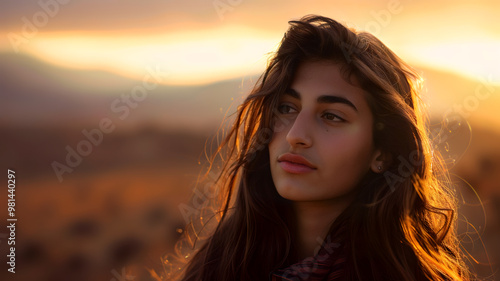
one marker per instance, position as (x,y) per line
(400,226)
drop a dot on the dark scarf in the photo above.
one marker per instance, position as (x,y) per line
(327,265)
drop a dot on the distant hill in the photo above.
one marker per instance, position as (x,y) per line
(34,92)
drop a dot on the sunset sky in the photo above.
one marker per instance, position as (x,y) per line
(203,41)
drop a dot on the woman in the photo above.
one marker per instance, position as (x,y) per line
(332,171)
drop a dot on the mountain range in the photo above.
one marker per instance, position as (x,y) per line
(36,93)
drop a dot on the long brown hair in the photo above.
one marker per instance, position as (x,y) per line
(401,225)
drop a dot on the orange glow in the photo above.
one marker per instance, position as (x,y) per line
(196,57)
(203,50)
(473,58)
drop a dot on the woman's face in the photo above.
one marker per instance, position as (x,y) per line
(322,143)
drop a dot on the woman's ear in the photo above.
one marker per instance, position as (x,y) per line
(380,161)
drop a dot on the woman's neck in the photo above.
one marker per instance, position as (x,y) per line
(313,223)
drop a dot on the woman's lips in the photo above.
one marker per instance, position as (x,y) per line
(295,164)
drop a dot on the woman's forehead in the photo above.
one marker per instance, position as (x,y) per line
(317,78)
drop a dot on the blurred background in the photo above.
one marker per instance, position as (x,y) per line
(107,107)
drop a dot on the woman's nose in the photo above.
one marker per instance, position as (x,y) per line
(299,134)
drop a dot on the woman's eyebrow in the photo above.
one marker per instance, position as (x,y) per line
(336,99)
(291,92)
(323,99)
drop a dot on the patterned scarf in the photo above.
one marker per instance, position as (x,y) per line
(327,265)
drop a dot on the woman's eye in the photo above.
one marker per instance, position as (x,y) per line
(285,109)
(333,117)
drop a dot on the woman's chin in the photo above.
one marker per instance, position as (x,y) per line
(295,192)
